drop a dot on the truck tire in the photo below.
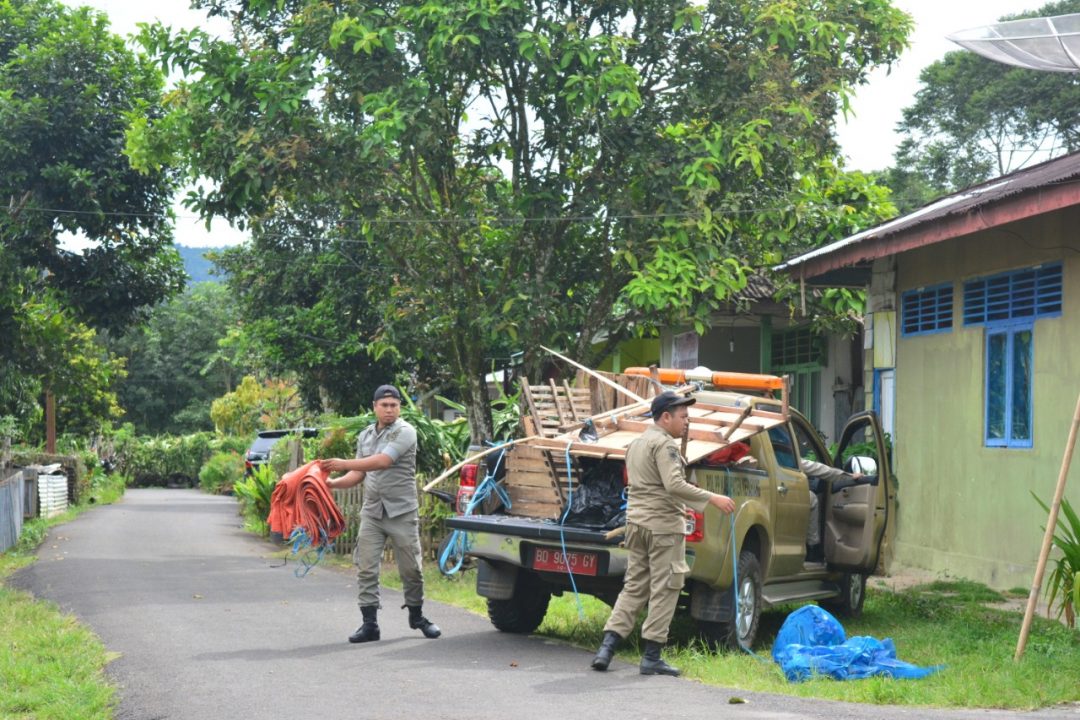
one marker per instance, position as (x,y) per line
(742,630)
(849,602)
(525,610)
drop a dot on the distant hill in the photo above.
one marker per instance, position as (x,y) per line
(195,263)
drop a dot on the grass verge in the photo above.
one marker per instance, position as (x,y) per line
(943,623)
(51,667)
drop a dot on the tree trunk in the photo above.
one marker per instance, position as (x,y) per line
(474,390)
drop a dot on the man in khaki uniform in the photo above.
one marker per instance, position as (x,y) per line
(655,534)
(386,463)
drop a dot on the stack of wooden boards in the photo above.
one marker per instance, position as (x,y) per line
(538,475)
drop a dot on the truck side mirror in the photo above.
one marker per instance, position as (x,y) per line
(862,464)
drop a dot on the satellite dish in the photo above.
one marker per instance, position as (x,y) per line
(1046,43)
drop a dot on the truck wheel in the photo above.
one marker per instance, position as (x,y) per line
(743,626)
(852,593)
(525,610)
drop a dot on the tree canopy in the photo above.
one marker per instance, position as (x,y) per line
(176,365)
(67,89)
(496,173)
(975,118)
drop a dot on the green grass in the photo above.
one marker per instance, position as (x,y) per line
(51,667)
(942,623)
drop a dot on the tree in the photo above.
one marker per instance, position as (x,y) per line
(974,119)
(521,173)
(67,89)
(271,405)
(175,367)
(303,298)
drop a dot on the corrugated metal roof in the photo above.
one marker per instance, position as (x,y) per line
(1032,179)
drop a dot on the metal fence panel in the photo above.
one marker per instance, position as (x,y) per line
(52,494)
(11,511)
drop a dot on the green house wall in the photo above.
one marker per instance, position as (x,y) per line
(967,510)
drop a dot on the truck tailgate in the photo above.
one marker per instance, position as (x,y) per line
(529,529)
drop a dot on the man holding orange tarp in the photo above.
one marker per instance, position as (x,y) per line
(386,463)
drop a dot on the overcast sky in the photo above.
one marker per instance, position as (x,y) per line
(868,138)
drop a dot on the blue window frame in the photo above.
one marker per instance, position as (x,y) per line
(1016,295)
(927,310)
(1009,365)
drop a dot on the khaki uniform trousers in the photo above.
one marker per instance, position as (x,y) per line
(655,574)
(403,532)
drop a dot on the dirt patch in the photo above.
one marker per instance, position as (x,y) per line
(904,578)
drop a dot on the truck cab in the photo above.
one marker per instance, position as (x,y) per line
(561,531)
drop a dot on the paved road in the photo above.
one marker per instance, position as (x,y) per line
(207,628)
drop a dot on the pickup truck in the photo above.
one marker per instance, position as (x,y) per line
(567,504)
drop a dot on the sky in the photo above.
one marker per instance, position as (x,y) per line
(868,138)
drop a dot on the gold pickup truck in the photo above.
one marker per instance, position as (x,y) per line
(566,507)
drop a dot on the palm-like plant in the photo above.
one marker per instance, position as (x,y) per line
(1062,585)
(254,493)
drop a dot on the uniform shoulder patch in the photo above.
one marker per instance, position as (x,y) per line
(673,454)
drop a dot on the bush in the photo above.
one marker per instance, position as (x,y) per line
(167,460)
(254,494)
(336,444)
(221,473)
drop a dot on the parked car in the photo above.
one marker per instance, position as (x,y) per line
(539,547)
(259,452)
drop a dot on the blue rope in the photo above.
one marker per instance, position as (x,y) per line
(458,544)
(300,540)
(562,531)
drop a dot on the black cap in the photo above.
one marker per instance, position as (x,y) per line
(386,391)
(667,400)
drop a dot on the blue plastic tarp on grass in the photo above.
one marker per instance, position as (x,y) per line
(812,642)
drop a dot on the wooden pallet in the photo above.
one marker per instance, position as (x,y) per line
(712,427)
(537,477)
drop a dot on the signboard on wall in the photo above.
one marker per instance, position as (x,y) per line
(684,353)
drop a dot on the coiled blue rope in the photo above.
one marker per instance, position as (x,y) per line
(458,543)
(301,541)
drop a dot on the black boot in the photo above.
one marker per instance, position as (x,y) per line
(607,650)
(369,631)
(417,621)
(653,664)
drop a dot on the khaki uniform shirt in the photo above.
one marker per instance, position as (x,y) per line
(390,492)
(658,491)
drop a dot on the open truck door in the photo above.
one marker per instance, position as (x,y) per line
(856,512)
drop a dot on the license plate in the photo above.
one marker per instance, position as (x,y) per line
(554,560)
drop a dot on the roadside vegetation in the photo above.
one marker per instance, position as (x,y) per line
(953,624)
(51,667)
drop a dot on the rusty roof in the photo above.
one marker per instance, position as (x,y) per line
(1042,188)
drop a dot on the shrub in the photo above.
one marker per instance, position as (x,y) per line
(221,473)
(1062,587)
(254,494)
(165,460)
(336,444)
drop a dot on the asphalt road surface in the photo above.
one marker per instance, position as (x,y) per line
(208,627)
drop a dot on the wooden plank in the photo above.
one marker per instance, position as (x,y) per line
(536,510)
(533,494)
(529,479)
(570,402)
(526,392)
(735,426)
(527,464)
(695,433)
(558,406)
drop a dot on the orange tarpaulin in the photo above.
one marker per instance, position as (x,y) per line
(303,499)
